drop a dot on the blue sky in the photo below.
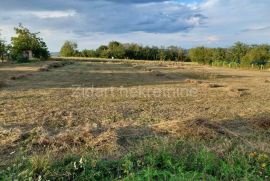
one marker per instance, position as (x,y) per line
(185,23)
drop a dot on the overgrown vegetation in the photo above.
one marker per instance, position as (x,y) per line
(155,161)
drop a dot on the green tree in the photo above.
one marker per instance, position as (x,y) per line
(25,42)
(181,55)
(162,54)
(116,50)
(238,51)
(201,55)
(102,51)
(88,53)
(258,55)
(174,53)
(133,51)
(218,54)
(69,49)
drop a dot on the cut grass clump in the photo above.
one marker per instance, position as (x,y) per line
(157,73)
(59,64)
(233,89)
(8,136)
(54,65)
(237,92)
(160,162)
(80,136)
(215,85)
(21,76)
(192,81)
(199,128)
(261,121)
(43,69)
(2,84)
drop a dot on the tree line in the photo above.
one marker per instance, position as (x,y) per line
(25,46)
(240,53)
(118,50)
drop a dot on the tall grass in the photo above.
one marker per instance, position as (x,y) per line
(182,161)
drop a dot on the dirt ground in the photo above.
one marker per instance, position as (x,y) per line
(110,106)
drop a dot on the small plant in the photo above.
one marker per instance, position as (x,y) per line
(39,165)
(261,164)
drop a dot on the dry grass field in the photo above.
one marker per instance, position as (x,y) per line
(111,109)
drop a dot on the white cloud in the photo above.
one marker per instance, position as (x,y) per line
(212,39)
(257,28)
(51,14)
(195,21)
(209,4)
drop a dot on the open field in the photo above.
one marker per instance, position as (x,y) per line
(119,113)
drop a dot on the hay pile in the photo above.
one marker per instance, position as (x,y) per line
(54,65)
(85,135)
(237,92)
(196,128)
(8,136)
